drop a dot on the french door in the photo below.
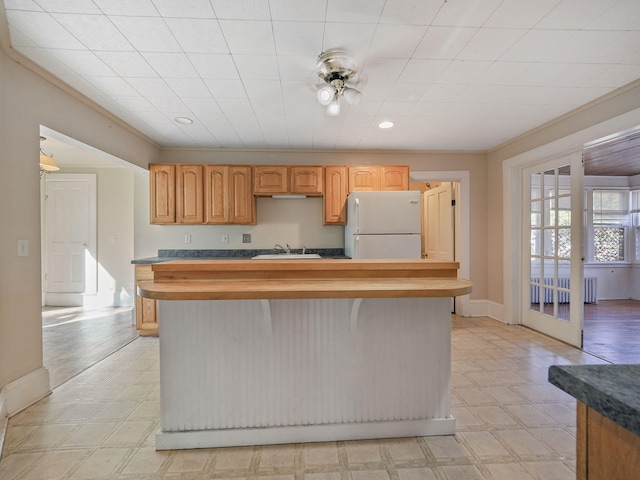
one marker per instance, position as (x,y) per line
(553,270)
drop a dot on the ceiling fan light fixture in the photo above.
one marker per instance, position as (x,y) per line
(352,96)
(325,95)
(333,109)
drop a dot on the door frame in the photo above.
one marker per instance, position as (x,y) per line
(91,260)
(462,223)
(512,202)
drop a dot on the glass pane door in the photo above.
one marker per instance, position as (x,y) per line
(552,287)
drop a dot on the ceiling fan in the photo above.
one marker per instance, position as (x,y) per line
(339,75)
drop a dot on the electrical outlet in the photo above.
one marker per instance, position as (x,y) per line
(187,238)
(23,248)
(246,238)
(225,238)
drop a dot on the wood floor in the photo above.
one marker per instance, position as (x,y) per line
(612,330)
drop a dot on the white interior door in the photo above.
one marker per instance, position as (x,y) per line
(552,283)
(439,222)
(71,268)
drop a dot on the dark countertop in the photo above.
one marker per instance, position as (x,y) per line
(167,255)
(611,390)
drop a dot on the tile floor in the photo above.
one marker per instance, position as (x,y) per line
(511,424)
(75,338)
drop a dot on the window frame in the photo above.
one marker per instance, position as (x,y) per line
(589,228)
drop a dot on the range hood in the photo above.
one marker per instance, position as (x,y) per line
(289,196)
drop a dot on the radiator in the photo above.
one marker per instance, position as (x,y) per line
(590,291)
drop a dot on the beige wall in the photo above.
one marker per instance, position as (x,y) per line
(26,102)
(608,115)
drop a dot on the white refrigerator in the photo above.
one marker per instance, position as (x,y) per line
(383,225)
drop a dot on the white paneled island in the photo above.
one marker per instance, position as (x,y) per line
(263,352)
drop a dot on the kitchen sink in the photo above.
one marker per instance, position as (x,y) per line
(287,256)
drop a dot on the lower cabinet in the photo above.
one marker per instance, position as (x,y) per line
(146,322)
(605,450)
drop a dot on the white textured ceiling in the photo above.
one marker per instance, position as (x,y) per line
(452,75)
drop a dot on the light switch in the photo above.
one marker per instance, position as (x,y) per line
(246,238)
(187,238)
(225,238)
(23,248)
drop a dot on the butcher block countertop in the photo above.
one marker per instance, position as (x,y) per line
(295,279)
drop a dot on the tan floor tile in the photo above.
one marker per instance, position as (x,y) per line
(404,449)
(276,477)
(16,434)
(363,451)
(185,461)
(14,464)
(550,471)
(102,463)
(416,474)
(462,472)
(322,476)
(503,395)
(320,454)
(521,442)
(278,456)
(493,415)
(55,464)
(464,417)
(90,434)
(561,412)
(130,433)
(484,444)
(146,409)
(233,458)
(116,411)
(446,447)
(146,461)
(529,415)
(49,435)
(558,439)
(508,471)
(474,396)
(370,475)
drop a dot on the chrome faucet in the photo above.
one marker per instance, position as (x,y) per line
(286,250)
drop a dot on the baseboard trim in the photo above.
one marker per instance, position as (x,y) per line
(304,433)
(486,308)
(25,391)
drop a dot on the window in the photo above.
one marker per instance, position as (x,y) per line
(610,216)
(635,221)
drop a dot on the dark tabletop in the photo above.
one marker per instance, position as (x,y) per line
(611,390)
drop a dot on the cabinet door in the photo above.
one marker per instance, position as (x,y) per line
(307,180)
(335,195)
(146,321)
(190,204)
(364,178)
(242,203)
(394,178)
(216,194)
(162,189)
(270,179)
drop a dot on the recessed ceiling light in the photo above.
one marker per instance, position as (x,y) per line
(184,120)
(385,124)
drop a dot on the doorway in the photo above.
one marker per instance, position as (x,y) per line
(460,223)
(70,246)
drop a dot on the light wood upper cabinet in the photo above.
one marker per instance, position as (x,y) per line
(364,178)
(242,203)
(377,178)
(271,179)
(335,195)
(162,189)
(307,180)
(394,178)
(216,194)
(228,195)
(190,195)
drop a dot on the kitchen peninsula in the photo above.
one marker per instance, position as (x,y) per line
(281,351)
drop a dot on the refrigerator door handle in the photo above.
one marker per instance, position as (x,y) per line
(357,209)
(413,201)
